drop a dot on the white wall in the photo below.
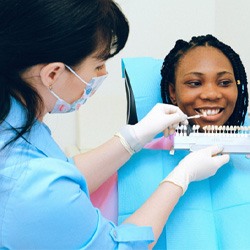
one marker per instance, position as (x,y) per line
(233,27)
(154,28)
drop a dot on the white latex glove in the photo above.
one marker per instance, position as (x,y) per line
(197,166)
(162,118)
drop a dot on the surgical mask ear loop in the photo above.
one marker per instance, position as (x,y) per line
(73,72)
(52,92)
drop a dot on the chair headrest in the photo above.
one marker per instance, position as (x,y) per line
(144,77)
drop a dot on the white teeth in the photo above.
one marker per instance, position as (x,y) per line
(209,112)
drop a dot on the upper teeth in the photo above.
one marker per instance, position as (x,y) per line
(208,112)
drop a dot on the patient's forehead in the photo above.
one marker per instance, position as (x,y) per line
(203,59)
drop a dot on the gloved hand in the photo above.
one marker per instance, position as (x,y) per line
(162,118)
(197,166)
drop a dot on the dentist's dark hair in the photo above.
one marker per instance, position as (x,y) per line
(182,47)
(43,31)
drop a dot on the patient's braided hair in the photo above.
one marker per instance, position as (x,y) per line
(182,47)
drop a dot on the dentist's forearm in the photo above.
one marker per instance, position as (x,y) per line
(102,162)
(156,210)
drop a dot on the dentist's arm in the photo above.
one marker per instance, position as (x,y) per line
(196,166)
(99,164)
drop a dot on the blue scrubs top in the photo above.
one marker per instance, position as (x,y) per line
(44,199)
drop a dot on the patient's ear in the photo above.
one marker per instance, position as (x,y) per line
(172,94)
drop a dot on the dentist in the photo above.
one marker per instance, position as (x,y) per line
(52,59)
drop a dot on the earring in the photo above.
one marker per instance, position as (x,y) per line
(173,101)
(238,82)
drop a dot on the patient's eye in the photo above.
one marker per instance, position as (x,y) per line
(193,83)
(225,83)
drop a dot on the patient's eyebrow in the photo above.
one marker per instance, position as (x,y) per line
(195,73)
(224,72)
(201,74)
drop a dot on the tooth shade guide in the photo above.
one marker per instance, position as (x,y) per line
(214,130)
(234,139)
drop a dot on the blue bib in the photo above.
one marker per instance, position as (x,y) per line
(212,214)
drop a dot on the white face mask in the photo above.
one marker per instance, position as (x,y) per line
(62,106)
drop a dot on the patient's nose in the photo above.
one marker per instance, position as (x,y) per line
(211,92)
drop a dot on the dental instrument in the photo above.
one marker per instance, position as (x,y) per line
(196,116)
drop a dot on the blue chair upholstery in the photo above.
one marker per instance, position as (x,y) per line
(142,79)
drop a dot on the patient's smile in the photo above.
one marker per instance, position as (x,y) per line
(210,116)
(208,112)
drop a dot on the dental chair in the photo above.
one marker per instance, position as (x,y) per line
(214,213)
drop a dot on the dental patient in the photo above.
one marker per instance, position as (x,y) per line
(204,77)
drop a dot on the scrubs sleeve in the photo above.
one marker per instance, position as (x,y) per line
(71,160)
(49,208)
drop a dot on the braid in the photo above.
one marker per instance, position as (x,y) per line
(181,47)
(168,68)
(240,110)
